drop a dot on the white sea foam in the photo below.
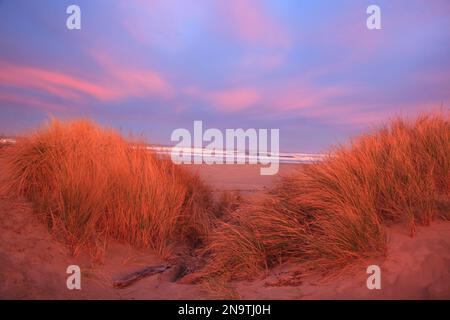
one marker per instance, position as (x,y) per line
(283,157)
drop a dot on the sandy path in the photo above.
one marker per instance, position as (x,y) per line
(243,178)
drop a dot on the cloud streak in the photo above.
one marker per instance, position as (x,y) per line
(115,83)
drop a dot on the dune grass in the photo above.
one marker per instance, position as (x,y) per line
(330,213)
(90,184)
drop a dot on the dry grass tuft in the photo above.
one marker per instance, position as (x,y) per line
(333,212)
(226,203)
(90,184)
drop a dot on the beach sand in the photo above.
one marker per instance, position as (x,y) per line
(33,264)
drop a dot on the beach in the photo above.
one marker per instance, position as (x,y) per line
(33,263)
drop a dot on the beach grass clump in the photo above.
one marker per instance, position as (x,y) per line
(90,184)
(333,212)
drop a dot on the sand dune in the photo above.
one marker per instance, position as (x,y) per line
(33,265)
(77,194)
(415,268)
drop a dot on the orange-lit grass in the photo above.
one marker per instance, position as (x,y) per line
(333,212)
(90,184)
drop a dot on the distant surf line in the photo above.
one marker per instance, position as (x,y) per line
(284,157)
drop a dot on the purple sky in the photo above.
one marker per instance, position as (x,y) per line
(310,68)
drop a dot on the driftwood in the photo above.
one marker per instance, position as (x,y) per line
(137,275)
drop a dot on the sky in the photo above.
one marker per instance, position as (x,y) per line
(311,69)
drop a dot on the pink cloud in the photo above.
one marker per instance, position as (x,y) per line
(354,115)
(302,93)
(33,102)
(53,82)
(302,97)
(114,83)
(288,96)
(247,20)
(227,100)
(251,22)
(132,81)
(234,99)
